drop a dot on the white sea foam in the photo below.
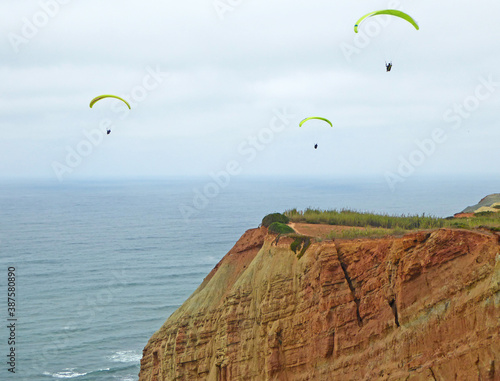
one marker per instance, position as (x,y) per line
(66,373)
(210,259)
(126,356)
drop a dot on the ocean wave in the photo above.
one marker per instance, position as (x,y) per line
(75,329)
(67,373)
(70,373)
(126,356)
(129,377)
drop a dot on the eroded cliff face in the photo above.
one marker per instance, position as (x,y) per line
(422,307)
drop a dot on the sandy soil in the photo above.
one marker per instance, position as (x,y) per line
(320,230)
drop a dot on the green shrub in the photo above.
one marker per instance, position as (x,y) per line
(484,214)
(274,217)
(300,243)
(296,244)
(459,225)
(307,242)
(280,228)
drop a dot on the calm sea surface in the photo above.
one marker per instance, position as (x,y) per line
(100,265)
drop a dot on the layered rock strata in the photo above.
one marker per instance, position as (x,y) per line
(425,306)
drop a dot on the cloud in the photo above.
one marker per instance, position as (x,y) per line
(227,74)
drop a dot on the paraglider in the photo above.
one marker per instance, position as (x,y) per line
(315,117)
(390,12)
(98,98)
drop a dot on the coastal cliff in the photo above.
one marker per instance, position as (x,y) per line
(425,306)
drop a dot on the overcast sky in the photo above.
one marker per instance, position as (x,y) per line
(221,85)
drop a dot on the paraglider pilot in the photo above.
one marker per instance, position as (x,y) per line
(388,66)
(108,132)
(316,146)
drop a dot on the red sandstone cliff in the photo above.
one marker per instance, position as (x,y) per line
(422,307)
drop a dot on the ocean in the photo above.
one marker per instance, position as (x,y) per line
(98,266)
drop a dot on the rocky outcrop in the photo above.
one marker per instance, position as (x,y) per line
(463,215)
(425,306)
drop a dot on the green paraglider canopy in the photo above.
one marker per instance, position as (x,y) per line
(315,117)
(107,96)
(391,12)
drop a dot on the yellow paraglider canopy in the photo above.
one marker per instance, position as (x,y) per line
(98,98)
(315,117)
(391,12)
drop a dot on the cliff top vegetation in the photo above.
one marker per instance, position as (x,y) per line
(384,224)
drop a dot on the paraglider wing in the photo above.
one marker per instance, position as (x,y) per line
(391,12)
(315,117)
(93,101)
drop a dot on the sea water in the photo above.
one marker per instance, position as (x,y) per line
(100,265)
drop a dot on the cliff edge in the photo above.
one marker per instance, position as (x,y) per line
(425,306)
